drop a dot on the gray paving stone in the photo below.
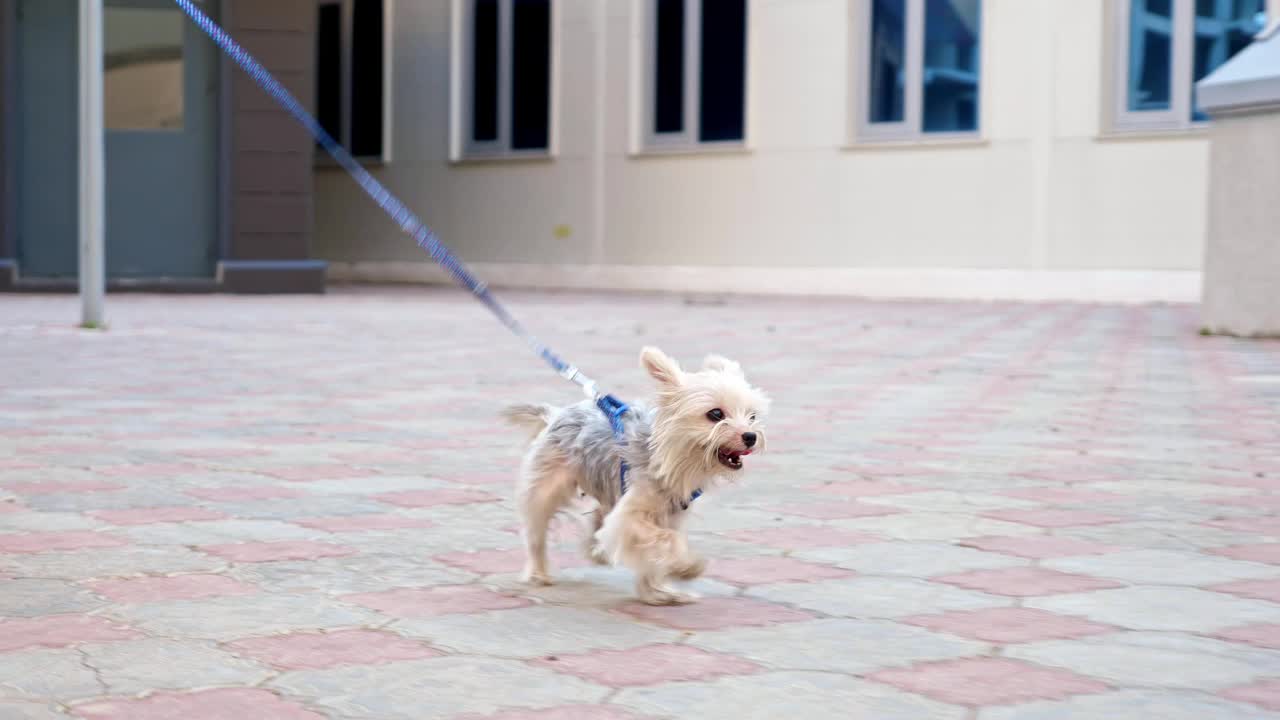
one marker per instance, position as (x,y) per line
(877,597)
(30,711)
(1164,567)
(935,526)
(46,675)
(849,646)
(1125,664)
(797,694)
(231,618)
(1161,608)
(1132,705)
(108,562)
(33,597)
(911,559)
(347,575)
(950,501)
(137,666)
(532,632)
(436,688)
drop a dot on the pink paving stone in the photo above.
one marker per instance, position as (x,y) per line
(148,516)
(1038,547)
(765,569)
(1256,589)
(361,523)
(38,542)
(156,470)
(236,494)
(866,488)
(54,631)
(252,552)
(480,478)
(494,562)
(303,473)
(217,704)
(7,506)
(17,465)
(1062,495)
(798,537)
(314,651)
(177,587)
(840,510)
(62,486)
(443,600)
(1262,635)
(1263,552)
(1009,625)
(1269,526)
(1026,581)
(716,614)
(564,712)
(1249,481)
(1265,693)
(1054,518)
(988,681)
(650,665)
(434,497)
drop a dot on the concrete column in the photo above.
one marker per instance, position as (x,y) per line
(1242,250)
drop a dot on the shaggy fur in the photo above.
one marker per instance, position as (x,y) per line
(695,434)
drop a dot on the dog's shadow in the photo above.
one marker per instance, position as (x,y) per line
(601,588)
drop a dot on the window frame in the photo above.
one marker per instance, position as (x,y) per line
(651,141)
(345,36)
(464,146)
(911,128)
(1178,118)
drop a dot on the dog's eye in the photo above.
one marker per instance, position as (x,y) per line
(752,418)
(715,415)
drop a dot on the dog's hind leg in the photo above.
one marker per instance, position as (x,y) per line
(549,484)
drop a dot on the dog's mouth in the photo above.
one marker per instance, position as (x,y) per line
(731,458)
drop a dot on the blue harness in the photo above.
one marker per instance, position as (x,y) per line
(410,224)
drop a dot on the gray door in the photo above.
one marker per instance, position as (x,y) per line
(160,112)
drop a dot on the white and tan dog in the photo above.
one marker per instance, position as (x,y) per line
(699,427)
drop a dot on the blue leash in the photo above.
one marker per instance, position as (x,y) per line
(611,406)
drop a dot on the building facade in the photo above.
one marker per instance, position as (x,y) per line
(966,148)
(929,148)
(208,183)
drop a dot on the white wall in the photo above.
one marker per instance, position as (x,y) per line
(1044,190)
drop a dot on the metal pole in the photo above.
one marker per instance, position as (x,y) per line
(93,278)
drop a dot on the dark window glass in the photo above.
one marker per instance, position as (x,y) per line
(1150,55)
(952,65)
(530,74)
(1222,29)
(721,108)
(329,69)
(668,106)
(888,60)
(484,72)
(366,78)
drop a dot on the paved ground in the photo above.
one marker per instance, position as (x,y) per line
(289,509)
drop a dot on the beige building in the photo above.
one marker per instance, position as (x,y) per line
(954,148)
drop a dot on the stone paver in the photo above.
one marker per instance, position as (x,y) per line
(301,509)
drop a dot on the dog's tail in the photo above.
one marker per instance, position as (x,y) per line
(531,417)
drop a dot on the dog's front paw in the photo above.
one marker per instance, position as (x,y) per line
(666,596)
(596,554)
(537,578)
(690,569)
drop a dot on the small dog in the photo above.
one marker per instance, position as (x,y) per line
(698,430)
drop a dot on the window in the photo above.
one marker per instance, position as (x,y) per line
(1165,46)
(353,76)
(506,68)
(919,69)
(695,73)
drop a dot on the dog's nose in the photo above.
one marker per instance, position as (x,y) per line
(749,439)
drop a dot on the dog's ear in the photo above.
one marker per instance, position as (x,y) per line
(720,363)
(663,369)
